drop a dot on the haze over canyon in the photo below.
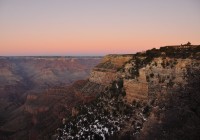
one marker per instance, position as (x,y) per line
(147,95)
(25,79)
(99,70)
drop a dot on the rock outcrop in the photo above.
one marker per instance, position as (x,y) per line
(145,74)
(107,70)
(133,95)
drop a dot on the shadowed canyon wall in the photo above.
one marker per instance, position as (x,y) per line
(33,91)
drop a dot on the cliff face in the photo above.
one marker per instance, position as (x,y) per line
(133,94)
(108,69)
(162,74)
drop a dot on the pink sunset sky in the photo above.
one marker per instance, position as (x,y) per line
(95,27)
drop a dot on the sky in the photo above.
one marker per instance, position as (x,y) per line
(95,27)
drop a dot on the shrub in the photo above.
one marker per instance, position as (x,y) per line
(151,75)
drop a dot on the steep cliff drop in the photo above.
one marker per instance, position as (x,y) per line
(148,95)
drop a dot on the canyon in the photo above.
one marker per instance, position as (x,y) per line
(143,96)
(33,87)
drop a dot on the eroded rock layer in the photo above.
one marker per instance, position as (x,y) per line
(147,95)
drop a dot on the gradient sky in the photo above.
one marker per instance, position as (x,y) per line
(95,27)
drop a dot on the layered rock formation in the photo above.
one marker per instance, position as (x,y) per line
(36,92)
(146,83)
(107,70)
(142,78)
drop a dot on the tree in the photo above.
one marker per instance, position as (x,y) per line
(188,43)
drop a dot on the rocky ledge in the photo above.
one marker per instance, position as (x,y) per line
(148,95)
